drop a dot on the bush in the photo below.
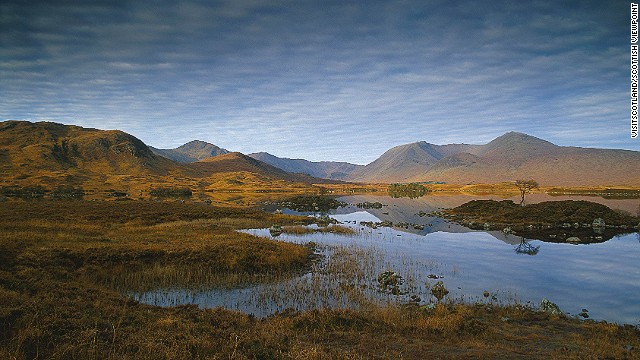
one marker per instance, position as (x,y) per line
(412,190)
(179,192)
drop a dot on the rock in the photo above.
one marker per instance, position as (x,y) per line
(486,294)
(275,230)
(598,223)
(439,290)
(428,307)
(487,226)
(574,240)
(550,308)
(389,281)
(507,230)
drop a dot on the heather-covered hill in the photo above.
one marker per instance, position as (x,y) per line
(47,151)
(238,162)
(192,151)
(52,155)
(509,157)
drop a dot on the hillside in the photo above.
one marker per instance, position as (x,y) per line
(238,162)
(53,155)
(506,158)
(192,151)
(47,152)
(405,161)
(322,169)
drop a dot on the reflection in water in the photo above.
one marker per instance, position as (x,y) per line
(526,248)
(601,277)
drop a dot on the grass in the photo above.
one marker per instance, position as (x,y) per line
(304,230)
(61,262)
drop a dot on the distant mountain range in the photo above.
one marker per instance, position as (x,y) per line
(199,150)
(323,169)
(507,158)
(46,153)
(56,151)
(237,162)
(192,151)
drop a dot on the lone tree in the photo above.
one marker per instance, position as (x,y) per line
(526,248)
(525,186)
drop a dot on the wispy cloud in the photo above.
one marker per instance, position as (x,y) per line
(329,81)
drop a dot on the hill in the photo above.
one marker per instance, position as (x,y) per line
(511,156)
(404,161)
(51,156)
(192,151)
(49,152)
(238,162)
(322,169)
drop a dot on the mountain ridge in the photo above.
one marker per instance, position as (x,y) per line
(334,170)
(53,154)
(192,151)
(57,151)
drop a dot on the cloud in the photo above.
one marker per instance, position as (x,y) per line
(331,81)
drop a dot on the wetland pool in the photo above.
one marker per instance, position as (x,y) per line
(474,266)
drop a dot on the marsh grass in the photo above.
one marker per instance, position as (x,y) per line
(56,301)
(305,230)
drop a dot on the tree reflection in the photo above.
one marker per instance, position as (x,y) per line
(526,248)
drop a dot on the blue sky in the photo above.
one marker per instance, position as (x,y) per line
(321,80)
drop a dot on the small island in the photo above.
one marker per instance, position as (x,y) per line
(553,221)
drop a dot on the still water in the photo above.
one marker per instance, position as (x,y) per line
(475,266)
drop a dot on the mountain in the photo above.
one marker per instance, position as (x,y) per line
(52,154)
(509,157)
(405,161)
(238,162)
(192,151)
(323,169)
(54,151)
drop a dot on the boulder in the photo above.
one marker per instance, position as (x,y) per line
(550,308)
(598,223)
(439,290)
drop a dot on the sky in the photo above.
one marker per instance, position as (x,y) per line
(321,80)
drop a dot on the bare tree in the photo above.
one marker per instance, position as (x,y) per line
(526,248)
(526,186)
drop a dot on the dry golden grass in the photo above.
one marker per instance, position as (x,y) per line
(303,230)
(56,300)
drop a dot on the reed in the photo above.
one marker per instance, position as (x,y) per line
(65,267)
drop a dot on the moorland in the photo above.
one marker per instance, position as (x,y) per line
(86,214)
(61,261)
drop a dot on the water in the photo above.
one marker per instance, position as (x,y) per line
(603,278)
